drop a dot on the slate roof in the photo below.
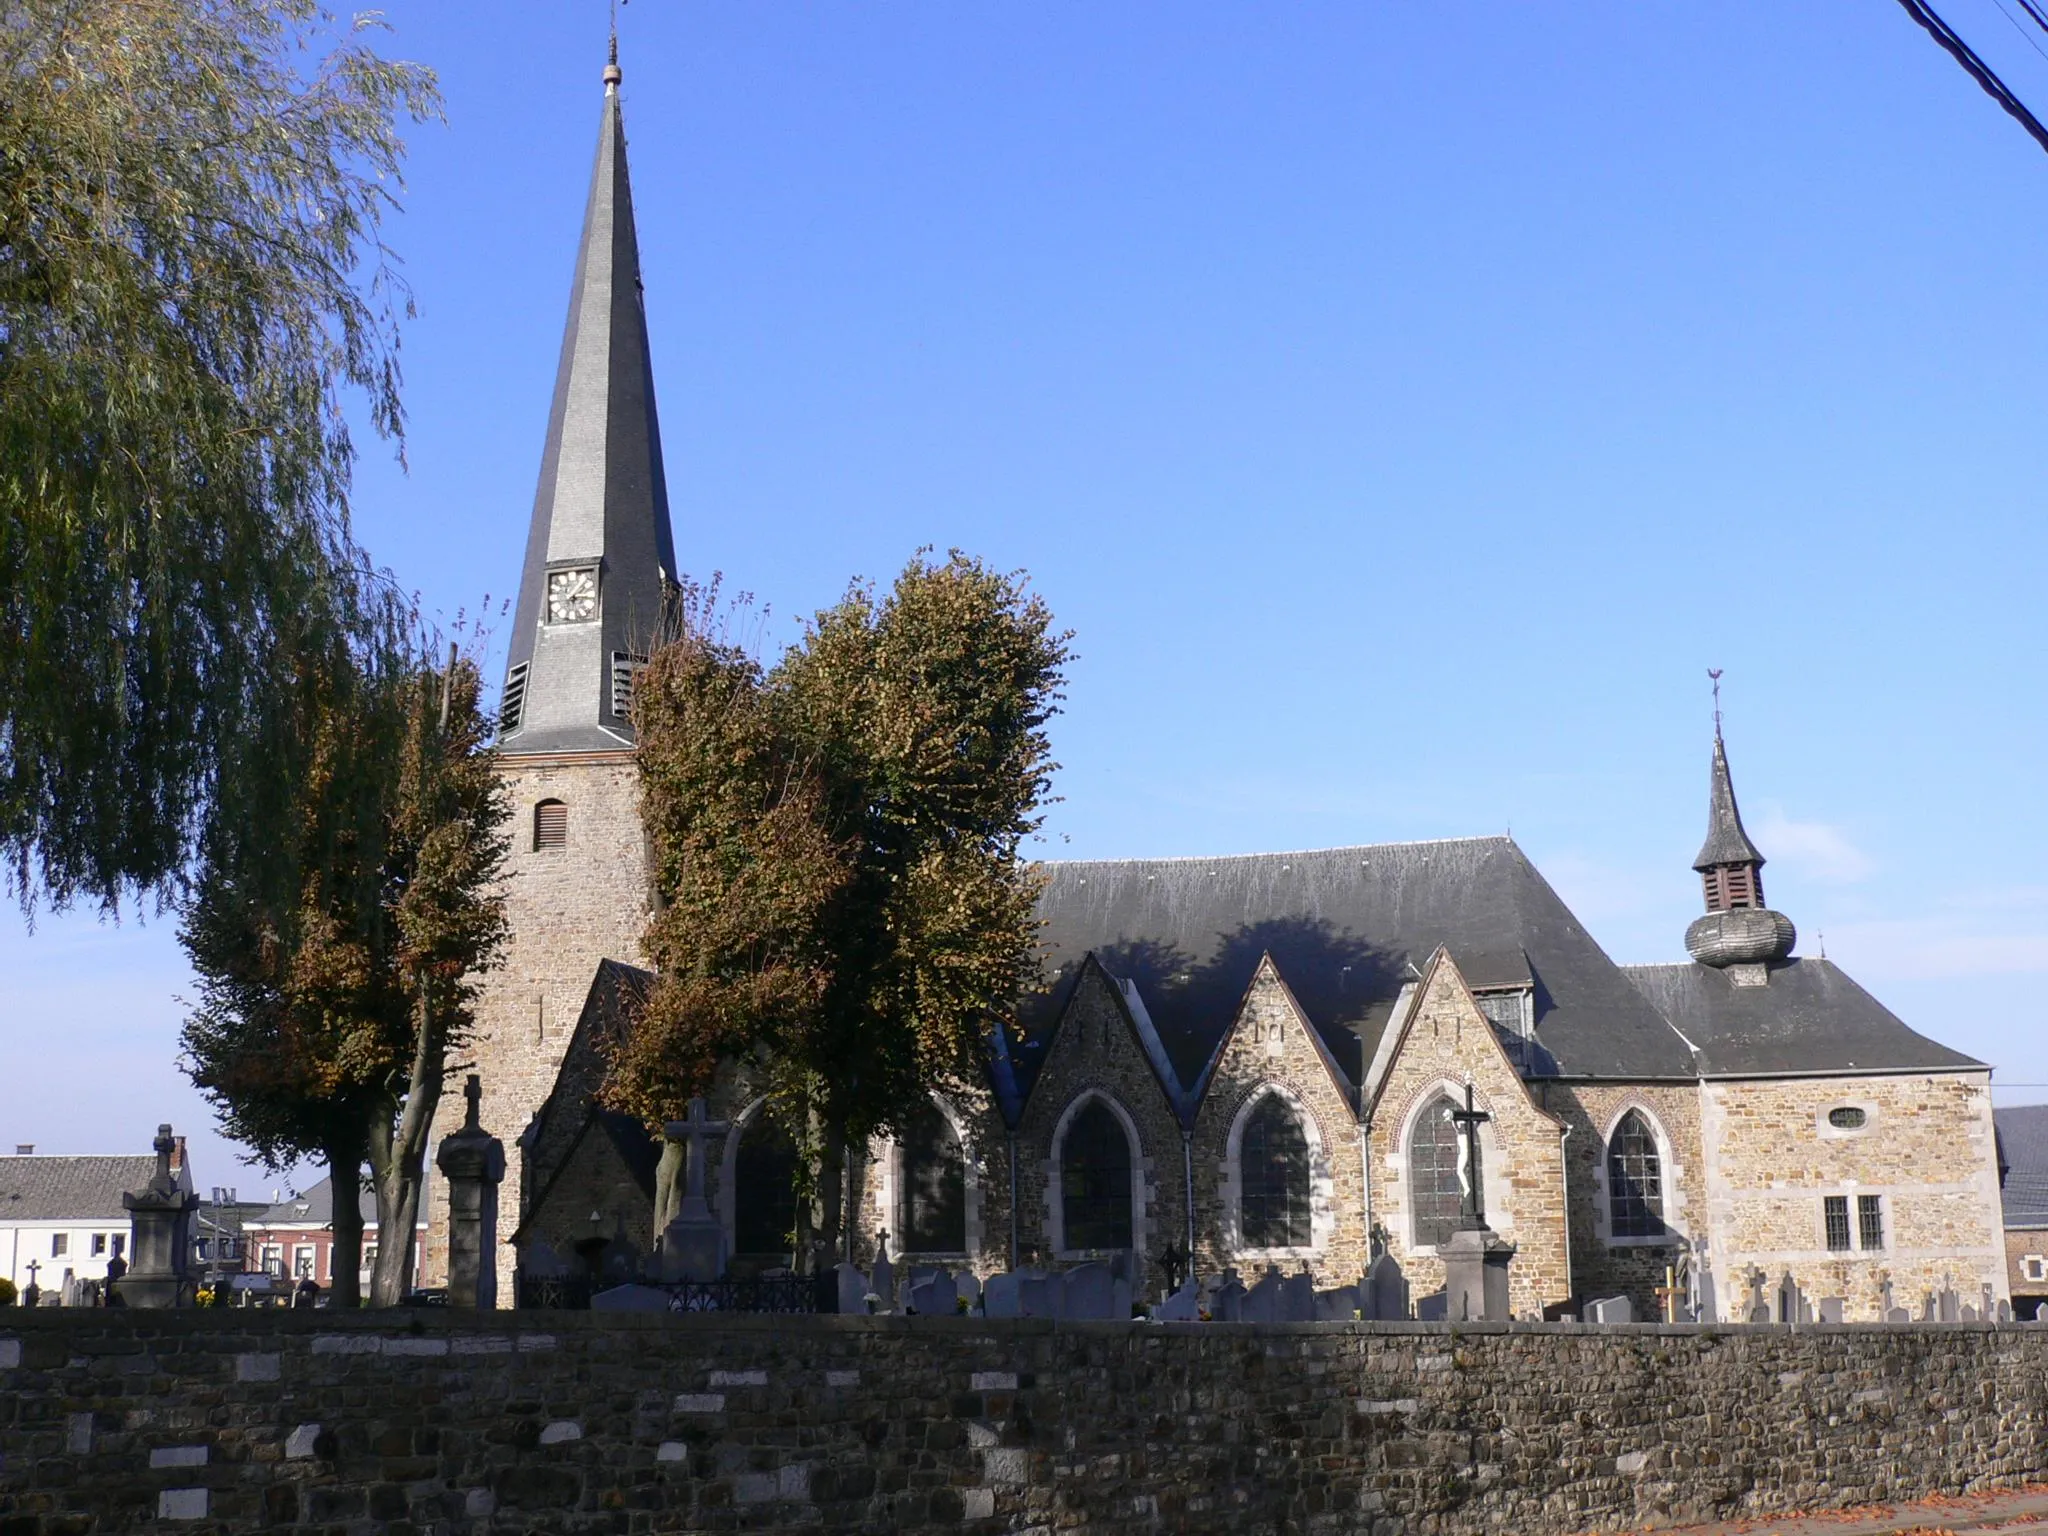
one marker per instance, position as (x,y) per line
(603,496)
(2023,1155)
(617,992)
(70,1188)
(1346,928)
(1811,1019)
(1727,842)
(316,1208)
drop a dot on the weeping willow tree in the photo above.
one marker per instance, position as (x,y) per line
(193,287)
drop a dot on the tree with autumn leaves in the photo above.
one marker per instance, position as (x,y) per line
(836,843)
(339,942)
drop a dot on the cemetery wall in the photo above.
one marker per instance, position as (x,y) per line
(117,1421)
(568,908)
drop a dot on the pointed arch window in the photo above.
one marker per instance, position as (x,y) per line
(931,1200)
(1635,1179)
(1273,1177)
(1436,1189)
(764,1192)
(1095,1180)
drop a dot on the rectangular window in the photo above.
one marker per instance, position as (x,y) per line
(2034,1267)
(1870,1222)
(120,1244)
(369,1257)
(273,1259)
(60,1244)
(1837,1209)
(99,1244)
(205,1249)
(302,1262)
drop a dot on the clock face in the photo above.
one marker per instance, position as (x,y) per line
(572,596)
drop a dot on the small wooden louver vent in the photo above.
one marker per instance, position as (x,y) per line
(625,667)
(513,706)
(550,825)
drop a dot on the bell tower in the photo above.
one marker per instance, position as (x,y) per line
(599,570)
(1738,934)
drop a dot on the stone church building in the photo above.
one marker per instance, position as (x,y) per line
(1249,1058)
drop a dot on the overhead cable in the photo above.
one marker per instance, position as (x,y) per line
(1978,70)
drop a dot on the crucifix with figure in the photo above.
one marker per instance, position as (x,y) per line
(692,1240)
(1468,1120)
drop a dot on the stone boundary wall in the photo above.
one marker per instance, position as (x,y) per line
(114,1421)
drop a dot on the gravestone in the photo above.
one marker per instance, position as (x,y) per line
(883,1281)
(1298,1298)
(1611,1309)
(1791,1304)
(1476,1263)
(1041,1295)
(472,1160)
(850,1287)
(1122,1281)
(1832,1309)
(1183,1306)
(1341,1305)
(1386,1291)
(1758,1310)
(1090,1294)
(1226,1305)
(2004,1312)
(1969,1314)
(999,1297)
(1433,1308)
(967,1283)
(1951,1306)
(693,1240)
(936,1297)
(630,1298)
(160,1240)
(1987,1305)
(1262,1301)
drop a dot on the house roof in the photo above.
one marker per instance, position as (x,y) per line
(1811,1018)
(315,1208)
(2023,1155)
(70,1188)
(1346,928)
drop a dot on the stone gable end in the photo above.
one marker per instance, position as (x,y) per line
(1095,1052)
(1268,1049)
(1446,1040)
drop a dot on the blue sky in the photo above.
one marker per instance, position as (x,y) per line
(1405,404)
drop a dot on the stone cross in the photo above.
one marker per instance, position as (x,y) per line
(697,1131)
(693,1133)
(1468,1120)
(473,1095)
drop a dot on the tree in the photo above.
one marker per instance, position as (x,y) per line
(330,996)
(836,844)
(192,289)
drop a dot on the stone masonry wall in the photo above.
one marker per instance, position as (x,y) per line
(1448,1040)
(1269,1049)
(569,908)
(1925,1149)
(466,1424)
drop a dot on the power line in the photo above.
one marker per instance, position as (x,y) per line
(1977,69)
(2023,32)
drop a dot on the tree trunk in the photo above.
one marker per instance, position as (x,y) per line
(398,1157)
(345,1259)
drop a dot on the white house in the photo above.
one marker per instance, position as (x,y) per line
(61,1218)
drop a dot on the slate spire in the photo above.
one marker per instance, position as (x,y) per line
(600,557)
(1727,845)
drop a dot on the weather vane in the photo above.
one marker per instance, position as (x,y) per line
(1715,674)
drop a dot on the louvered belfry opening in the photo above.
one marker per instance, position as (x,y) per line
(550,825)
(1732,886)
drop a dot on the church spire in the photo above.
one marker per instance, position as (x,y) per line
(600,557)
(1738,932)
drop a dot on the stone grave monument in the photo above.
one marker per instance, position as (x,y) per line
(472,1160)
(160,1220)
(1476,1258)
(692,1239)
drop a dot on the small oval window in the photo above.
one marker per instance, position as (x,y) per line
(1847,1118)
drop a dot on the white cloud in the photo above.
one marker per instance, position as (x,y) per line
(1813,849)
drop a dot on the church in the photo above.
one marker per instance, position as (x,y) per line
(1251,1060)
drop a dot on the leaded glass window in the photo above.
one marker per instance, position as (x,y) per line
(931,1204)
(1870,1222)
(1273,1176)
(764,1191)
(1095,1180)
(1435,1150)
(1635,1180)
